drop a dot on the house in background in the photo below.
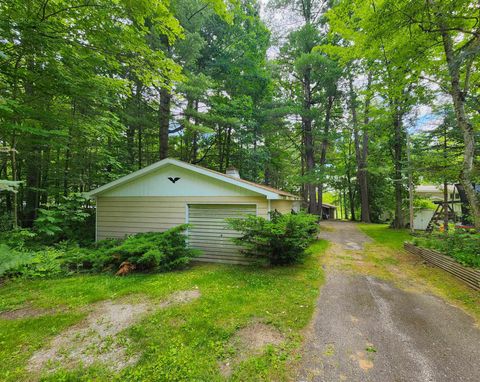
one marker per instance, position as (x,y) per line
(171,192)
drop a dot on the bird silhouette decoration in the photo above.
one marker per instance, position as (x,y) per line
(173,180)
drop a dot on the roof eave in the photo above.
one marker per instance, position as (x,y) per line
(127,178)
(200,170)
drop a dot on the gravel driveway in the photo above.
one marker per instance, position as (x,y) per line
(365,329)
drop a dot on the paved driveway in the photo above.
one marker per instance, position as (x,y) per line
(365,329)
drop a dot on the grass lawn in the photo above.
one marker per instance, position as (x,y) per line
(391,262)
(182,342)
(389,237)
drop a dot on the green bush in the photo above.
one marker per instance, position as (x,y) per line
(461,244)
(44,263)
(69,220)
(18,239)
(152,251)
(10,259)
(280,240)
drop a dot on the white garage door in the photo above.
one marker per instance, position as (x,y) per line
(210,233)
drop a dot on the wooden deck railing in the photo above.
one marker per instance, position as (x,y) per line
(469,276)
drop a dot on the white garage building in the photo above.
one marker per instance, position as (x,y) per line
(171,192)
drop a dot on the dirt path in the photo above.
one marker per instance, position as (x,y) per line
(365,329)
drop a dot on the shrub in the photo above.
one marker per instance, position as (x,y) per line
(152,251)
(18,239)
(93,258)
(280,240)
(44,263)
(461,244)
(10,259)
(69,220)
(6,221)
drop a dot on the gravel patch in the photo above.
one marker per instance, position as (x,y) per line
(248,341)
(98,338)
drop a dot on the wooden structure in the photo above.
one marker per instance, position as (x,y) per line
(469,276)
(439,215)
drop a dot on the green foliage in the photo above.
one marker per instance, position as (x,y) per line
(419,203)
(6,223)
(10,259)
(152,251)
(280,240)
(461,244)
(44,263)
(9,185)
(69,220)
(18,239)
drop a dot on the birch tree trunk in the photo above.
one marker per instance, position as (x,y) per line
(458,96)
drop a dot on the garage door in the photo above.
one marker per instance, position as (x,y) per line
(210,233)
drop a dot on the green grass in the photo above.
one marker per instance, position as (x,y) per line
(382,233)
(390,261)
(181,343)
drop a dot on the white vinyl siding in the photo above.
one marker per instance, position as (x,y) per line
(187,183)
(121,216)
(211,234)
(282,206)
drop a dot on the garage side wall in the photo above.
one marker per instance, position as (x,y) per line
(282,206)
(120,216)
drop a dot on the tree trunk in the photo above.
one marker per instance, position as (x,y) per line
(31,160)
(32,185)
(323,150)
(195,135)
(164,121)
(14,177)
(130,143)
(410,188)
(345,207)
(45,174)
(360,155)
(66,165)
(139,108)
(228,143)
(398,178)
(458,97)
(445,181)
(309,149)
(220,149)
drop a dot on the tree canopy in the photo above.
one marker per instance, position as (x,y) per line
(91,90)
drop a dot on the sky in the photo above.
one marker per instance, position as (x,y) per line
(281,22)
